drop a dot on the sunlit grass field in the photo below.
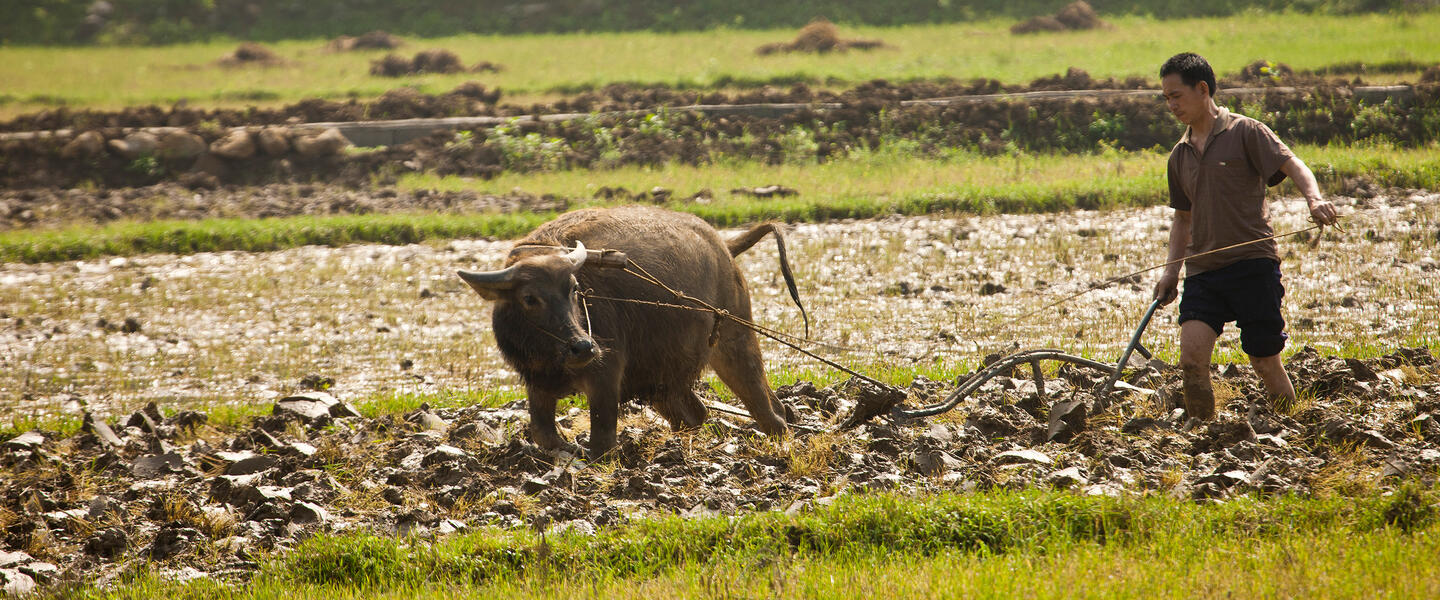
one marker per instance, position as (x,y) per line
(863,184)
(995,545)
(537,66)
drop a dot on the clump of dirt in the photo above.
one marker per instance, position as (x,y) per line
(819,36)
(250,54)
(374,40)
(177,492)
(426,61)
(1075,16)
(1078,79)
(1264,72)
(1431,75)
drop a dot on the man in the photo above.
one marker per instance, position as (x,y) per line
(1218,173)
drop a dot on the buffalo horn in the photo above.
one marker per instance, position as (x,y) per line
(489,279)
(577,256)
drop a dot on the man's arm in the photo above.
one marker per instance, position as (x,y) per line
(1168,287)
(1321,210)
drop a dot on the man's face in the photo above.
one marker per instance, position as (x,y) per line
(1187,103)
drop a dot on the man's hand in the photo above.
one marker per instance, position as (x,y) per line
(1322,211)
(1167,288)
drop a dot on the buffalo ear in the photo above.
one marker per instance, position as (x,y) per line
(490,285)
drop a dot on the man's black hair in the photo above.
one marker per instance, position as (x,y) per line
(1192,68)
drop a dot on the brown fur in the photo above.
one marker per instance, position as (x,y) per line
(650,353)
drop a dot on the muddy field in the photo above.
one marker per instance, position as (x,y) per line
(162,484)
(113,334)
(99,340)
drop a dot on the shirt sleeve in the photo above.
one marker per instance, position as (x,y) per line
(1266,152)
(1179,200)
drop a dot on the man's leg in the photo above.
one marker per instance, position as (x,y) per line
(1277,381)
(1197,342)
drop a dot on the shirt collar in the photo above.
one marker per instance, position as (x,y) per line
(1223,121)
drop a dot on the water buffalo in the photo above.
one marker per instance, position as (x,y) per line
(559,325)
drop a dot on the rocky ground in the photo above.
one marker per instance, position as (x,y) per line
(195,500)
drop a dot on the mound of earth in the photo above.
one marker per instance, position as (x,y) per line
(1078,79)
(819,36)
(180,493)
(374,40)
(861,119)
(1078,15)
(467,99)
(427,61)
(250,54)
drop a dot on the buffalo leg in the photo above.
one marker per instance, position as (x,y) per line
(737,361)
(542,419)
(682,408)
(604,417)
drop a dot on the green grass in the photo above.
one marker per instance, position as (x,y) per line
(999,544)
(862,185)
(252,235)
(539,65)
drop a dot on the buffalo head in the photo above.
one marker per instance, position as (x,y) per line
(537,302)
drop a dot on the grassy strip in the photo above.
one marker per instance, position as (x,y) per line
(863,185)
(893,540)
(538,65)
(261,235)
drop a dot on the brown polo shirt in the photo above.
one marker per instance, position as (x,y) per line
(1224,190)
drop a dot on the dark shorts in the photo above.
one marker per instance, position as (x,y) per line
(1248,293)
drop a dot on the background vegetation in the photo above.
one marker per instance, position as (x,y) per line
(171,21)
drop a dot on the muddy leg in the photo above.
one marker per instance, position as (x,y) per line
(736,359)
(542,419)
(1280,390)
(682,408)
(1197,342)
(604,417)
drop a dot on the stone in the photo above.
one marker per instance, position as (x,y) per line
(149,467)
(180,146)
(326,143)
(107,543)
(238,145)
(102,431)
(442,454)
(253,464)
(28,441)
(211,165)
(274,141)
(14,559)
(1066,478)
(933,463)
(16,584)
(86,145)
(313,407)
(534,485)
(171,541)
(448,526)
(40,571)
(1015,457)
(305,513)
(478,431)
(136,145)
(431,422)
(1375,439)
